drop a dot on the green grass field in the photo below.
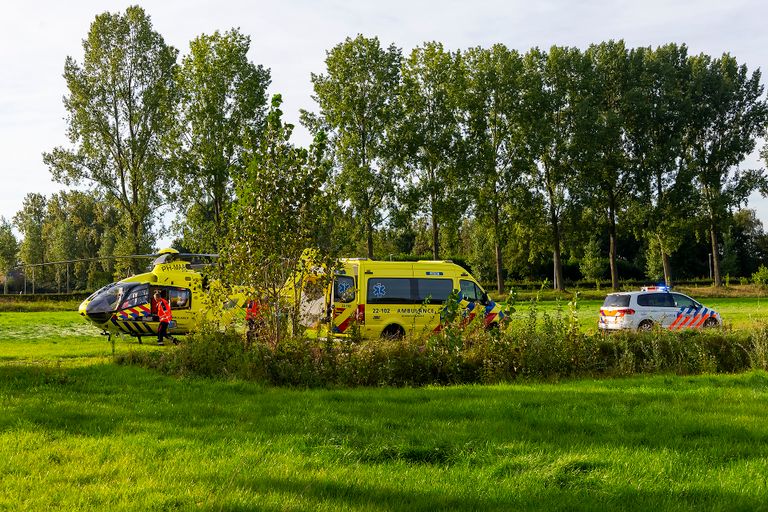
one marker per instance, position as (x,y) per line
(79,433)
(737,313)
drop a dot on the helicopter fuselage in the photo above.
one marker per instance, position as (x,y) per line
(125,306)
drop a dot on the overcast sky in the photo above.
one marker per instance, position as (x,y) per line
(291,37)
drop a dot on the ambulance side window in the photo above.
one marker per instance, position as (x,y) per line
(469,291)
(434,291)
(344,289)
(391,290)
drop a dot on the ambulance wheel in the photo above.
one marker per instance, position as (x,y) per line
(645,325)
(393,332)
(710,323)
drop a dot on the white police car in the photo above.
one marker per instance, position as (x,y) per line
(655,306)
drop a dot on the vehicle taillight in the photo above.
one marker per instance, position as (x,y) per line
(617,312)
(361,313)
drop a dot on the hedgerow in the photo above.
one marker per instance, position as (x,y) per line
(544,346)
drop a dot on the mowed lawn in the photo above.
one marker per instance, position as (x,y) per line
(79,433)
(53,335)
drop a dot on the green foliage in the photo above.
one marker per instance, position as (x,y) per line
(656,145)
(80,225)
(221,117)
(492,107)
(428,137)
(639,145)
(29,221)
(120,105)
(9,251)
(357,104)
(760,277)
(548,345)
(550,119)
(730,112)
(592,265)
(283,207)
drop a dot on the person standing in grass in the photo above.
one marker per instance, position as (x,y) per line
(253,317)
(165,316)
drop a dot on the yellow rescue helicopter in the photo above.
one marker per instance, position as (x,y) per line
(125,307)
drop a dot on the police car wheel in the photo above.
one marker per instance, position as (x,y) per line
(645,325)
(710,323)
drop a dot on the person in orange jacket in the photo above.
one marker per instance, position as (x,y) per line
(165,316)
(253,318)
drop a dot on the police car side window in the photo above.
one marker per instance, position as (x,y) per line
(656,300)
(666,300)
(682,301)
(645,300)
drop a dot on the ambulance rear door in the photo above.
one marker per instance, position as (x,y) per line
(344,299)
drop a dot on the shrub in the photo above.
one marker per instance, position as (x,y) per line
(533,347)
(760,278)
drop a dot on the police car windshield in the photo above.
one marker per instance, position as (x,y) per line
(616,301)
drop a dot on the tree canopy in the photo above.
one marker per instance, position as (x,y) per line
(120,105)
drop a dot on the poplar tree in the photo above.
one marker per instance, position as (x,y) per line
(550,119)
(657,116)
(9,250)
(730,113)
(221,115)
(498,154)
(357,97)
(120,105)
(429,136)
(608,178)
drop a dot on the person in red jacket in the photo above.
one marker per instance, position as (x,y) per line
(253,317)
(164,315)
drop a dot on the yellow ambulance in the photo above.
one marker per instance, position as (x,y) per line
(394,299)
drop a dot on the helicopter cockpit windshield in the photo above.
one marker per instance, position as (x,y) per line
(118,296)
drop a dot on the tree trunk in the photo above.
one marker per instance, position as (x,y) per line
(558,265)
(665,263)
(135,243)
(435,239)
(499,269)
(369,234)
(715,256)
(497,248)
(667,268)
(612,250)
(557,274)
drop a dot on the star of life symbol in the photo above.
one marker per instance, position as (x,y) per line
(379,290)
(342,288)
